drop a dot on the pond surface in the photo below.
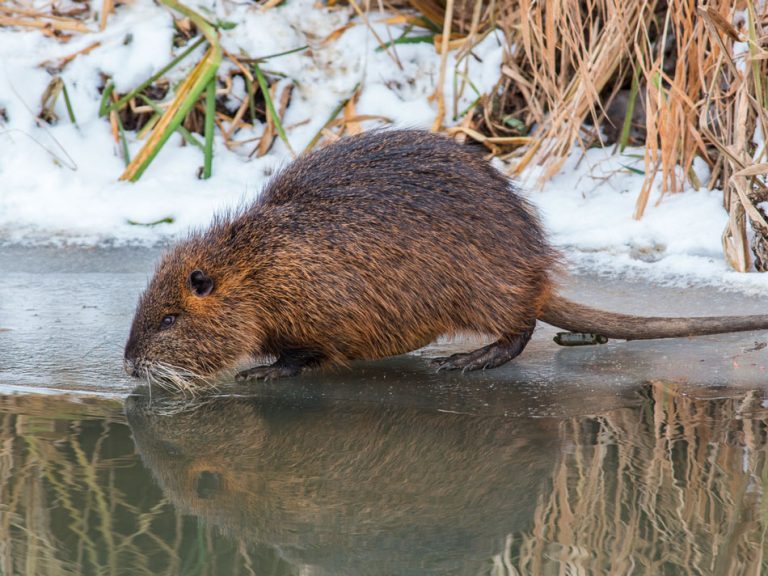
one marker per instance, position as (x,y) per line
(628,458)
(289,482)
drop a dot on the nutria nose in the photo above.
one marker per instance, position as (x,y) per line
(130,367)
(129,356)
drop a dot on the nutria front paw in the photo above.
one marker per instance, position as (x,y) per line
(271,372)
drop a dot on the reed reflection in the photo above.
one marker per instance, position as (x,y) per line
(675,485)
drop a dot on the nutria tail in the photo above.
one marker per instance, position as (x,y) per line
(574,317)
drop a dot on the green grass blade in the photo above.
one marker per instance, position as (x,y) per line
(633,169)
(278,54)
(149,81)
(271,107)
(68,103)
(421,39)
(251,94)
(626,128)
(105,95)
(468,109)
(166,220)
(123,140)
(210,115)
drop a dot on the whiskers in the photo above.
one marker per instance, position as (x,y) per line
(175,379)
(164,403)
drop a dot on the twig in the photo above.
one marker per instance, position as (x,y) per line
(439,92)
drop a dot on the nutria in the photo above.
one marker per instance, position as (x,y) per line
(370,247)
(349,487)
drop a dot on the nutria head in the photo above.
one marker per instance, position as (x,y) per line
(191,321)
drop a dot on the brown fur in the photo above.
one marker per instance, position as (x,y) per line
(371,247)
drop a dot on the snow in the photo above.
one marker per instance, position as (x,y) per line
(588,209)
(58,183)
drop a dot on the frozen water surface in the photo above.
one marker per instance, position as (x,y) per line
(642,458)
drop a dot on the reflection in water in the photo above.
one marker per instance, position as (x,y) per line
(350,489)
(675,486)
(75,499)
(670,484)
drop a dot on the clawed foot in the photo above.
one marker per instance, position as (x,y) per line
(290,362)
(482,359)
(271,372)
(491,356)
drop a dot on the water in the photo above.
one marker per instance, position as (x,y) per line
(290,482)
(629,458)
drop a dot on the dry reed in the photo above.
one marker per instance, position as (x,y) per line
(700,73)
(76,501)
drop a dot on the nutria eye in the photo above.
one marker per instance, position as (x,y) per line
(167,321)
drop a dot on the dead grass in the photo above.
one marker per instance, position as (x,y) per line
(699,71)
(686,80)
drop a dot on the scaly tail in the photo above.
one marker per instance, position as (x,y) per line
(574,317)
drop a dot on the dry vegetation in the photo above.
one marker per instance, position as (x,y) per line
(687,80)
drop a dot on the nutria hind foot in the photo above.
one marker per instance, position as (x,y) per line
(494,355)
(288,363)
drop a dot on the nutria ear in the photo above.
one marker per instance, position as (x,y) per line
(199,283)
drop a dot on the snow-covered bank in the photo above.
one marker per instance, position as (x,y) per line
(59,182)
(588,209)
